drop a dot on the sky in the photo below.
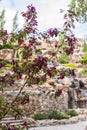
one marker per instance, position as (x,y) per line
(47,10)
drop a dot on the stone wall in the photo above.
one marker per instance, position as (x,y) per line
(41,102)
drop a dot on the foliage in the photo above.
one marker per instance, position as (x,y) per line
(52,115)
(70,65)
(58,93)
(15,24)
(84,59)
(72,113)
(84,72)
(79,7)
(63,59)
(40,116)
(6,46)
(58,115)
(85,47)
(2,20)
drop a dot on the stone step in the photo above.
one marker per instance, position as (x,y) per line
(12,121)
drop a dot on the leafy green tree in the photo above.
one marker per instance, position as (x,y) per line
(2,19)
(79,7)
(15,24)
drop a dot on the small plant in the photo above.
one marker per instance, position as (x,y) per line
(84,72)
(6,46)
(70,65)
(64,115)
(84,59)
(58,115)
(63,59)
(72,113)
(40,116)
(85,47)
(53,115)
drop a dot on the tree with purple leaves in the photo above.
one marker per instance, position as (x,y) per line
(25,64)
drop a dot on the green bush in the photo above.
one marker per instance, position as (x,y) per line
(58,115)
(63,59)
(85,47)
(70,65)
(6,46)
(40,116)
(52,115)
(84,59)
(84,72)
(72,113)
(64,116)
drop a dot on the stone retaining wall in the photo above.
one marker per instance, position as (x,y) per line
(40,102)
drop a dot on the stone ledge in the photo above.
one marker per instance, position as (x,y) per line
(63,121)
(39,123)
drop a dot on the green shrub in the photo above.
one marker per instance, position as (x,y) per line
(72,113)
(84,59)
(64,116)
(6,46)
(58,115)
(40,116)
(63,59)
(85,47)
(53,115)
(70,65)
(84,72)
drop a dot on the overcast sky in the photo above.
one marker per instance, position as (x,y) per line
(48,13)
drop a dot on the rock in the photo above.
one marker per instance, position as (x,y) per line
(86,128)
(31,121)
(73,120)
(51,81)
(6,54)
(78,74)
(78,65)
(82,117)
(65,81)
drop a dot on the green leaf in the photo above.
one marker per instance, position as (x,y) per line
(2,19)
(15,24)
(70,65)
(56,95)
(0,125)
(8,65)
(17,55)
(2,71)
